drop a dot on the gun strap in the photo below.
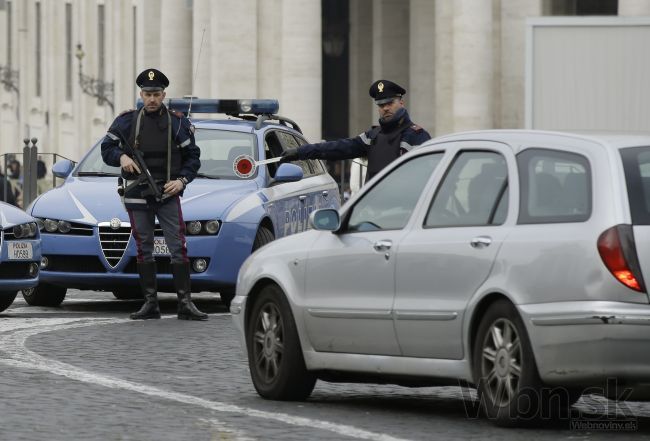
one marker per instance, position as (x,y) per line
(169,139)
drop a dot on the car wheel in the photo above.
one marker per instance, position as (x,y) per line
(263,236)
(6,299)
(275,358)
(127,293)
(44,295)
(505,372)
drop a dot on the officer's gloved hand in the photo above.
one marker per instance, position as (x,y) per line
(290,154)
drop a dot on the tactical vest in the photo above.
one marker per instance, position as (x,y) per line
(153,140)
(384,150)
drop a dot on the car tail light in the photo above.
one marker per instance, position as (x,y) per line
(618,251)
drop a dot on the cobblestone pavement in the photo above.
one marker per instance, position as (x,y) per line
(85,372)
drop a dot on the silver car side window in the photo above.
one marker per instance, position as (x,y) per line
(473,192)
(555,186)
(388,205)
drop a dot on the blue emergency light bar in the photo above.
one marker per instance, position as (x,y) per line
(229,107)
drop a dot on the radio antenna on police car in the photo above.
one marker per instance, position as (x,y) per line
(196,72)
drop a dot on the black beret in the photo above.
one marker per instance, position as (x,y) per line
(152,79)
(384,91)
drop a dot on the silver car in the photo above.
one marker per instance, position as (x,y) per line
(514,261)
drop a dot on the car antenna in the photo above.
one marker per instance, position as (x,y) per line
(196,72)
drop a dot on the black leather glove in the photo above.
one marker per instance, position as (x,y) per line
(290,154)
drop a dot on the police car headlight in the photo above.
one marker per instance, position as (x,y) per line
(212,227)
(21,231)
(51,225)
(194,227)
(25,230)
(64,226)
(40,224)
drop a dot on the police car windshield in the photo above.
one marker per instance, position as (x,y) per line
(93,165)
(220,148)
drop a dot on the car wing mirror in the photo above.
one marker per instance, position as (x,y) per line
(325,219)
(62,168)
(288,173)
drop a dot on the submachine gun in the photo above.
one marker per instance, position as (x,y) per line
(144,178)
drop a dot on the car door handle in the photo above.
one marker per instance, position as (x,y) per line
(481,241)
(302,198)
(382,245)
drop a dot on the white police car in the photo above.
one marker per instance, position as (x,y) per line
(234,206)
(20,252)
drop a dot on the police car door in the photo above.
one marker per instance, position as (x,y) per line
(323,190)
(288,201)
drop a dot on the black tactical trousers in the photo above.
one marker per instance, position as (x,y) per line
(170,218)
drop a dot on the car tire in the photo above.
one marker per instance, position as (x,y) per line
(275,359)
(263,236)
(505,373)
(44,295)
(127,293)
(6,299)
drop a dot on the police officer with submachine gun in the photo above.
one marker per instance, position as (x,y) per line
(156,150)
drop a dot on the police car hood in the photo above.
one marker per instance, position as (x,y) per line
(10,216)
(91,200)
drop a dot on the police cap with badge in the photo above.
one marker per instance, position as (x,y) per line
(384,91)
(151,80)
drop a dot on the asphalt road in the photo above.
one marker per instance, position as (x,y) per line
(84,372)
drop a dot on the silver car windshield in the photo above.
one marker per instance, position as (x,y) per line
(219,149)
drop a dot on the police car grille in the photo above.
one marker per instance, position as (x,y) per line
(113,243)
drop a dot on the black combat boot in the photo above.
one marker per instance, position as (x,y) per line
(186,309)
(150,309)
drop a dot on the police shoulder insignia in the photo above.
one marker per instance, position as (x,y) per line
(416,127)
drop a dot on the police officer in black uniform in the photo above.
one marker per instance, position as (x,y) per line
(166,140)
(395,135)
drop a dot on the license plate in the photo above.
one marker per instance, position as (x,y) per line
(160,246)
(20,250)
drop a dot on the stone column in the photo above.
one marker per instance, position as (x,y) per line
(390,54)
(421,95)
(472,72)
(119,50)
(301,65)
(202,49)
(148,52)
(512,61)
(444,61)
(633,7)
(269,50)
(7,97)
(360,66)
(176,45)
(233,45)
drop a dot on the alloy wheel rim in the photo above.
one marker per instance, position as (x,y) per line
(501,362)
(268,342)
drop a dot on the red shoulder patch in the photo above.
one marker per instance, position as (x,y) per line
(176,113)
(416,127)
